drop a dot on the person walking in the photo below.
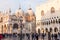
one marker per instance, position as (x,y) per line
(59,34)
(49,36)
(1,36)
(52,36)
(55,36)
(36,36)
(32,36)
(43,35)
(28,36)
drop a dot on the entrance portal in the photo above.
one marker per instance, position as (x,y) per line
(15,26)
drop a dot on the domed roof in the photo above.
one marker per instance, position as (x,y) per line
(8,11)
(1,13)
(29,15)
(30,11)
(19,12)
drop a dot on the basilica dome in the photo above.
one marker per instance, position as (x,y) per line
(30,16)
(30,11)
(19,12)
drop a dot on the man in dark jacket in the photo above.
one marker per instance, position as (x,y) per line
(43,35)
(55,36)
(52,36)
(32,36)
(36,35)
(28,36)
(49,36)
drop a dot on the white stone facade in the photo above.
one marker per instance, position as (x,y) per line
(8,20)
(48,16)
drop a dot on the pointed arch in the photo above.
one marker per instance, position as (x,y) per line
(52,10)
(42,12)
(51,29)
(55,29)
(46,29)
(15,26)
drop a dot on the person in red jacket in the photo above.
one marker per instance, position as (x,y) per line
(1,36)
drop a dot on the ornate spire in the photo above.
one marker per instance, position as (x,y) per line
(29,7)
(19,6)
(9,10)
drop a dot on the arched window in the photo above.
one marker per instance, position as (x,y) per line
(1,19)
(42,23)
(55,29)
(38,23)
(5,28)
(53,21)
(49,22)
(15,26)
(2,29)
(52,10)
(56,21)
(39,31)
(42,12)
(42,29)
(21,19)
(46,29)
(59,21)
(57,16)
(50,29)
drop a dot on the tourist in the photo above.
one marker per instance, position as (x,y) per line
(36,35)
(52,36)
(28,36)
(1,36)
(32,36)
(55,36)
(43,35)
(49,36)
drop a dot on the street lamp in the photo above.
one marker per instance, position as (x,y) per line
(21,26)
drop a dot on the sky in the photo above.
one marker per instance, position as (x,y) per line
(15,4)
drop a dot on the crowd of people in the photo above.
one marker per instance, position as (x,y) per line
(34,36)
